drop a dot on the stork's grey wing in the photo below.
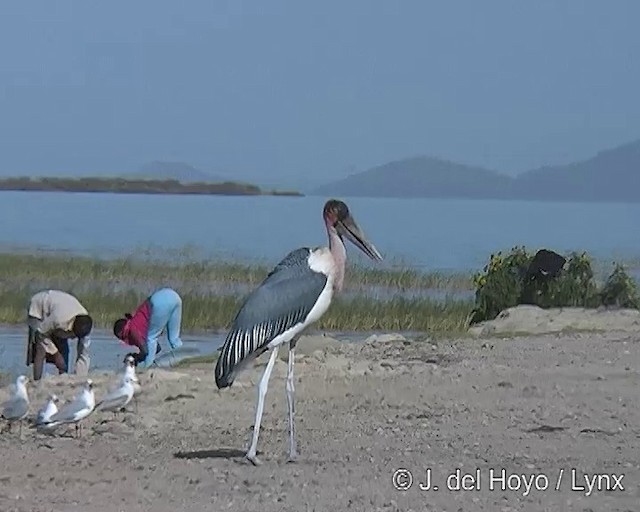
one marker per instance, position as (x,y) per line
(283,300)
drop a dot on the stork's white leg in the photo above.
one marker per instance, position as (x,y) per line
(293,452)
(262,391)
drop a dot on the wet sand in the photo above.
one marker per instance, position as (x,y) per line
(531,405)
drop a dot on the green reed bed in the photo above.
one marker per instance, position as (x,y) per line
(71,268)
(109,288)
(203,313)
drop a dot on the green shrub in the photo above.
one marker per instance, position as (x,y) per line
(499,286)
(620,290)
(502,285)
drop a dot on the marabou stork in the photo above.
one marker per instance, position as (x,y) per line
(295,294)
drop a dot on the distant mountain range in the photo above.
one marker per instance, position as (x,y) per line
(611,175)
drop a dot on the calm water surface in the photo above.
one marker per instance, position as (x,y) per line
(424,233)
(107,353)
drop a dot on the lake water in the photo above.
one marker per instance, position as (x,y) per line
(106,352)
(424,233)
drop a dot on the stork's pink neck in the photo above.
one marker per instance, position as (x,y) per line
(339,253)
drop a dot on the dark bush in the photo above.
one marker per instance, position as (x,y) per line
(504,283)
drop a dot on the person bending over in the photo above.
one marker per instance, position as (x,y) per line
(54,317)
(162,309)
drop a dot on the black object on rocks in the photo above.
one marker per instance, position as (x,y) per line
(546,264)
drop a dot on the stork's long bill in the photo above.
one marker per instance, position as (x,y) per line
(348,228)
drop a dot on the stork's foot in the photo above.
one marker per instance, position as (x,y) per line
(293,449)
(253,458)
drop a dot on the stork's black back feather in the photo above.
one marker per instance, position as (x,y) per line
(284,299)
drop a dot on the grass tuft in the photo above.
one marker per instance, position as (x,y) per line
(197,360)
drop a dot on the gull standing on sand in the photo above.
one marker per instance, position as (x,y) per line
(44,414)
(118,398)
(77,410)
(17,407)
(129,372)
(295,294)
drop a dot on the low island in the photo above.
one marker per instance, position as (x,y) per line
(136,186)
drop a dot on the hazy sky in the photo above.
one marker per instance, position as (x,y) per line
(287,88)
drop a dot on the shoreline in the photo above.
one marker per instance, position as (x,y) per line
(16,327)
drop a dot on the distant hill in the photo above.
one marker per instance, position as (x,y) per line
(180,171)
(421,177)
(611,175)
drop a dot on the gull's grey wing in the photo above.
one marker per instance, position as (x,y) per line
(15,409)
(69,411)
(40,416)
(43,412)
(283,300)
(113,400)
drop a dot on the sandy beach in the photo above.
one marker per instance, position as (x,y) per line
(532,405)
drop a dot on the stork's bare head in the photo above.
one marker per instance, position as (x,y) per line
(337,215)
